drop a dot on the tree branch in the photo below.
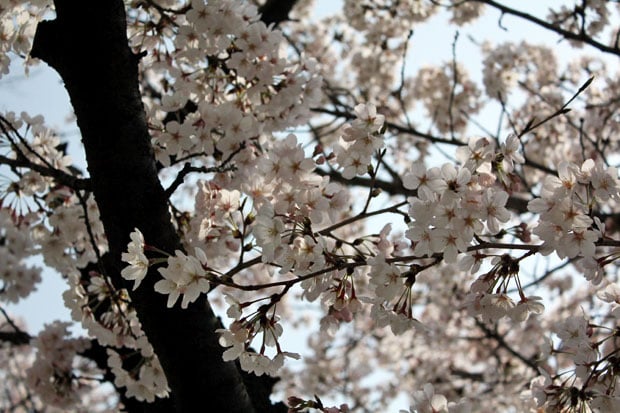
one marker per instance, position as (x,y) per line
(394,127)
(21,161)
(581,37)
(276,11)
(493,334)
(15,337)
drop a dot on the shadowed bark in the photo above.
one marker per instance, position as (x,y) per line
(276,11)
(87,44)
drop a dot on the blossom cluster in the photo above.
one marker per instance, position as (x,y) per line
(239,336)
(591,382)
(454,204)
(145,382)
(107,314)
(427,401)
(271,92)
(450,105)
(65,236)
(217,224)
(383,20)
(597,13)
(18,22)
(393,301)
(507,64)
(489,296)
(565,204)
(54,213)
(52,374)
(17,279)
(184,275)
(362,138)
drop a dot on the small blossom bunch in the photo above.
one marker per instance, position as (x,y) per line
(427,401)
(448,104)
(598,16)
(393,300)
(453,203)
(17,280)
(138,263)
(66,242)
(287,162)
(18,22)
(297,193)
(385,20)
(268,231)
(508,63)
(301,254)
(217,225)
(145,382)
(239,336)
(107,314)
(103,310)
(591,383)
(565,225)
(361,138)
(44,147)
(185,275)
(297,190)
(489,296)
(463,13)
(53,373)
(341,298)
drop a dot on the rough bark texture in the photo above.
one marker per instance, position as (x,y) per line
(87,45)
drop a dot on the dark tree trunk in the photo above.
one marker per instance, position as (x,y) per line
(87,44)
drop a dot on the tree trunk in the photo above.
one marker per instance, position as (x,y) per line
(87,44)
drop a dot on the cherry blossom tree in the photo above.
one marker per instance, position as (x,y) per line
(254,173)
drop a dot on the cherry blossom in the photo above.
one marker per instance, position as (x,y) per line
(184,275)
(138,263)
(310,182)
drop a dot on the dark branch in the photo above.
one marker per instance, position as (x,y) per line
(394,127)
(15,337)
(493,334)
(581,36)
(276,11)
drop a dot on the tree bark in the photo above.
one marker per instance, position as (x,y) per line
(87,45)
(276,11)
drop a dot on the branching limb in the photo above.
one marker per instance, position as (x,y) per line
(394,127)
(581,36)
(45,169)
(501,342)
(187,169)
(17,336)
